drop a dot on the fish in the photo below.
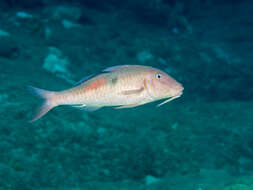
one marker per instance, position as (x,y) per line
(122,86)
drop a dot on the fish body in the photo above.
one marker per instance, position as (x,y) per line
(123,86)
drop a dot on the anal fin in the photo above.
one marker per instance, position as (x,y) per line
(79,106)
(86,107)
(91,108)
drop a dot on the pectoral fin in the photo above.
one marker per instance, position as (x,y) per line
(135,91)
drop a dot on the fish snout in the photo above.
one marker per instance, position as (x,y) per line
(177,90)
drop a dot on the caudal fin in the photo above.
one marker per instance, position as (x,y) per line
(47,103)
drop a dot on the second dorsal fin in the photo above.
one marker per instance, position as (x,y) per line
(109,69)
(115,68)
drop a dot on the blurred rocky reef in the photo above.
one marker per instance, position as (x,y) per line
(201,141)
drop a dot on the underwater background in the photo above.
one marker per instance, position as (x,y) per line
(200,141)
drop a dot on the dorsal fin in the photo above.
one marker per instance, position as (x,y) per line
(87,107)
(91,76)
(109,69)
(84,79)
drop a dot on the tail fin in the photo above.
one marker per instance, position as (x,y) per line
(47,104)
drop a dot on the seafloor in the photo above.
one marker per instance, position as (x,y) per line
(201,141)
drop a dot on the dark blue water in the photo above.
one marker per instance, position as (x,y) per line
(200,141)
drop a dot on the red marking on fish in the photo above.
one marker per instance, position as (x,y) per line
(95,84)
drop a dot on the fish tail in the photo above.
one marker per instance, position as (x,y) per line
(47,104)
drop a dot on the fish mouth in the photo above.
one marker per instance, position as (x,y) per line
(170,99)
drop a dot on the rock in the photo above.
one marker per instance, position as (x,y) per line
(55,62)
(23,15)
(151,179)
(68,24)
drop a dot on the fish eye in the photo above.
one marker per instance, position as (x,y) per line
(158,75)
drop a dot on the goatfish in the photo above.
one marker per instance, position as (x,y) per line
(124,86)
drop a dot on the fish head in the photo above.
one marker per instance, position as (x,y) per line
(161,85)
